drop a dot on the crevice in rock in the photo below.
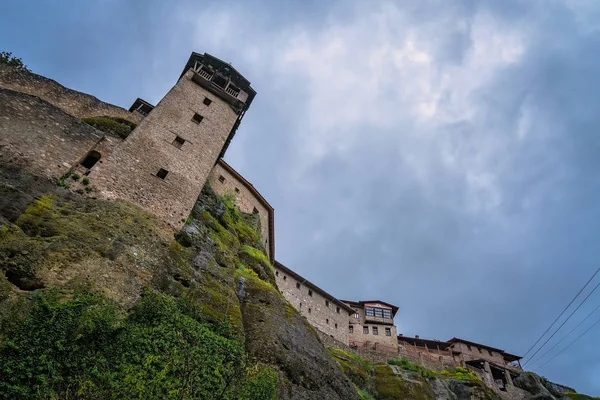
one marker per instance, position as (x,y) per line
(27,283)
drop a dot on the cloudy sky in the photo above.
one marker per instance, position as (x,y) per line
(439,155)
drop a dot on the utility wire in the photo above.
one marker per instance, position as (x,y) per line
(567,335)
(563,311)
(570,344)
(564,322)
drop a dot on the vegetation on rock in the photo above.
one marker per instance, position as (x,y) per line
(111,125)
(6,58)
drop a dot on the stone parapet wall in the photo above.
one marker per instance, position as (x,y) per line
(70,101)
(40,136)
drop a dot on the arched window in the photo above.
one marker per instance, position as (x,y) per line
(91,159)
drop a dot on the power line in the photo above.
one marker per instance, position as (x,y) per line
(563,311)
(570,344)
(564,322)
(568,334)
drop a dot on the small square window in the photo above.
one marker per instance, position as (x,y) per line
(254,210)
(297,285)
(276,273)
(326,303)
(350,329)
(366,330)
(207,101)
(237,190)
(221,179)
(336,326)
(310,293)
(337,310)
(162,173)
(309,310)
(284,277)
(375,331)
(178,142)
(327,321)
(388,332)
(197,118)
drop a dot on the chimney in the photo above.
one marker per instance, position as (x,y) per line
(400,334)
(416,336)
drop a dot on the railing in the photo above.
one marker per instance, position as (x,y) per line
(232,91)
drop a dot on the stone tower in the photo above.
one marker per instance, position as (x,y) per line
(165,161)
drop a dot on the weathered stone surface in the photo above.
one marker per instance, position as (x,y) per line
(70,101)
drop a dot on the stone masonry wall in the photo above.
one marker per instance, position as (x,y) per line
(130,172)
(324,318)
(369,340)
(71,101)
(41,136)
(245,199)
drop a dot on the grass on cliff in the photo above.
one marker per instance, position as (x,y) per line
(81,346)
(460,373)
(404,363)
(111,125)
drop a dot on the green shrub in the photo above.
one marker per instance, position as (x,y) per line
(6,58)
(405,364)
(111,125)
(85,181)
(75,177)
(260,383)
(83,347)
(460,373)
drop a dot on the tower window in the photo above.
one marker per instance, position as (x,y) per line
(309,310)
(310,293)
(388,332)
(375,331)
(197,118)
(162,173)
(255,210)
(207,101)
(91,159)
(336,326)
(326,303)
(366,330)
(350,329)
(221,179)
(297,285)
(237,190)
(276,273)
(284,277)
(337,310)
(220,81)
(178,142)
(327,321)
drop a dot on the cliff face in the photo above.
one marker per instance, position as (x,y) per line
(100,300)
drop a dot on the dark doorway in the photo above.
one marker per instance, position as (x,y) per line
(91,159)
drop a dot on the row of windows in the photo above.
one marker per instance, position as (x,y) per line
(310,292)
(374,329)
(378,312)
(326,319)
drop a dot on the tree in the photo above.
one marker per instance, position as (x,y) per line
(6,58)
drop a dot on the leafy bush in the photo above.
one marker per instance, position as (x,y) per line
(84,348)
(112,125)
(260,383)
(6,58)
(460,373)
(405,364)
(75,177)
(85,181)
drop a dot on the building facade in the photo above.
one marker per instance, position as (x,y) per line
(326,313)
(372,325)
(164,163)
(223,179)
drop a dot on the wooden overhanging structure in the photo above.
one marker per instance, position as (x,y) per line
(507,356)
